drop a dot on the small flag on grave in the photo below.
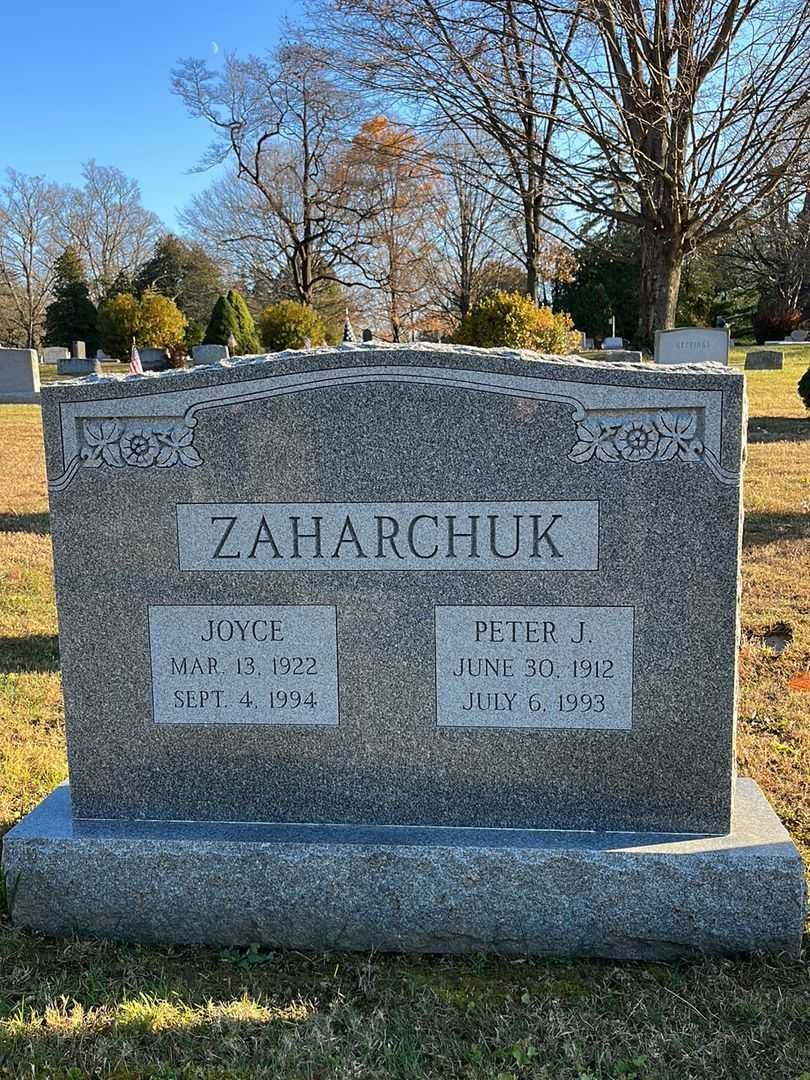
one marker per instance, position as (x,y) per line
(135,367)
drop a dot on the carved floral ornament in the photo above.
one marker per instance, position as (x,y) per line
(661,437)
(140,445)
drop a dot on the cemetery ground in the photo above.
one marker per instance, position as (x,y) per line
(75,1008)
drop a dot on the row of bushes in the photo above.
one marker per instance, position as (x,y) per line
(502,320)
(507,320)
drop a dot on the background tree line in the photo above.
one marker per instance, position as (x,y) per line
(647,162)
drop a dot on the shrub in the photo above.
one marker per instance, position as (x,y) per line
(804,388)
(161,323)
(773,321)
(118,324)
(288,325)
(247,340)
(515,321)
(154,321)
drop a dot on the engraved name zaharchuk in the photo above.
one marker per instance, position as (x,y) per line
(388,536)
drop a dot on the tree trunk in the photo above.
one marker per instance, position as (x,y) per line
(660,282)
(532,214)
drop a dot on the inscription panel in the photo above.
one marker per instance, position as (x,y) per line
(539,535)
(223,664)
(534,667)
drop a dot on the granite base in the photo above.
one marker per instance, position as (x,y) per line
(402,888)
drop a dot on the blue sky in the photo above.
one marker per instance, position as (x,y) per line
(82,80)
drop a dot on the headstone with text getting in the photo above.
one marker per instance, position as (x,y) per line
(691,345)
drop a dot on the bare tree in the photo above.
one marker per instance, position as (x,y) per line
(676,117)
(393,182)
(283,122)
(470,223)
(232,221)
(477,67)
(680,116)
(29,247)
(107,224)
(772,251)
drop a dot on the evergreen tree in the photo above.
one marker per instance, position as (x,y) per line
(605,284)
(222,324)
(186,274)
(72,315)
(247,339)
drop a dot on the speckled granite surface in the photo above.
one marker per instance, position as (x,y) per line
(515,892)
(657,451)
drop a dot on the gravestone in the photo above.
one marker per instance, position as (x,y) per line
(208,354)
(403,647)
(799,335)
(623,356)
(154,359)
(79,365)
(19,376)
(54,353)
(691,345)
(613,343)
(78,350)
(368,335)
(764,360)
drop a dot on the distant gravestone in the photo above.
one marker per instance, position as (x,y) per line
(800,335)
(537,562)
(208,354)
(764,360)
(691,345)
(19,376)
(154,359)
(613,343)
(54,353)
(368,335)
(73,365)
(78,350)
(623,356)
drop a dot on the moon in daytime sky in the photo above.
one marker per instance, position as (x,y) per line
(214,47)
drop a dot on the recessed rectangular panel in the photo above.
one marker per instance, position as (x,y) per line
(535,536)
(224,664)
(534,667)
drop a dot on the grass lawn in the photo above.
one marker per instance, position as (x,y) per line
(75,1009)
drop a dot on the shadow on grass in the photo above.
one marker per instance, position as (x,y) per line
(778,429)
(30,523)
(761,529)
(36,652)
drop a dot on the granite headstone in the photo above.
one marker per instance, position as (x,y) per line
(764,360)
(413,697)
(154,359)
(79,365)
(53,353)
(623,356)
(208,354)
(19,376)
(691,345)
